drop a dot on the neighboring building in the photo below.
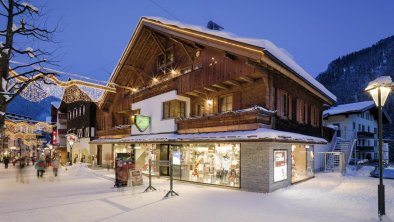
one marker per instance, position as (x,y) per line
(59,132)
(235,112)
(358,121)
(25,136)
(80,118)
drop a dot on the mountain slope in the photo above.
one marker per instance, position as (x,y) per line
(348,76)
(36,110)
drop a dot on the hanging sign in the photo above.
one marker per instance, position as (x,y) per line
(280,165)
(54,137)
(142,122)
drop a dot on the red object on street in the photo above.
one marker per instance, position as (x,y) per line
(54,137)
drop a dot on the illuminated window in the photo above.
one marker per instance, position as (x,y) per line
(174,109)
(226,103)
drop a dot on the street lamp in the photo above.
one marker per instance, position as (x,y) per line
(71,143)
(380,89)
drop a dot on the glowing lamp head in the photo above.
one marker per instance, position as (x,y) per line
(210,102)
(71,142)
(380,85)
(155,80)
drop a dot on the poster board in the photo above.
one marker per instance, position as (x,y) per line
(280,165)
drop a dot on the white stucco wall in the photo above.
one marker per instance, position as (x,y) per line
(346,127)
(346,123)
(153,107)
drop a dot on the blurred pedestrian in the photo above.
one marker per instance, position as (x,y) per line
(21,167)
(6,161)
(40,167)
(55,165)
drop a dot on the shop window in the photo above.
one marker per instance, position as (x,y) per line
(174,109)
(207,163)
(302,162)
(226,103)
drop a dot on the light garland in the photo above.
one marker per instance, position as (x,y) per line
(40,89)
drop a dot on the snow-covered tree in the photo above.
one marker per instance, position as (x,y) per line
(22,29)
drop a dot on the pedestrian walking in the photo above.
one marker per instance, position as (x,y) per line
(40,167)
(20,173)
(55,165)
(6,161)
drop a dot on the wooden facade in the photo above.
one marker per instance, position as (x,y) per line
(210,71)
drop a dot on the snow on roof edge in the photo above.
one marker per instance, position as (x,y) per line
(348,108)
(258,134)
(275,51)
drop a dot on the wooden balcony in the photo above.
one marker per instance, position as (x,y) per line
(62,116)
(113,133)
(231,121)
(295,127)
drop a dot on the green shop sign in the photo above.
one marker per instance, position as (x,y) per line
(142,122)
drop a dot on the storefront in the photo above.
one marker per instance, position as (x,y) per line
(211,163)
(247,162)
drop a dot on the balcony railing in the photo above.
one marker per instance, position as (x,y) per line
(236,120)
(113,132)
(63,116)
(361,135)
(295,127)
(365,148)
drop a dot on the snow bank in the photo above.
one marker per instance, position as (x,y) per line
(80,169)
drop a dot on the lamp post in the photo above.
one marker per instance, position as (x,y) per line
(379,89)
(71,143)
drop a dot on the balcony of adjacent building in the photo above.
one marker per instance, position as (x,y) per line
(365,135)
(62,117)
(245,119)
(365,148)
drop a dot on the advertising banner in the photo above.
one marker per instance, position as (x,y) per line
(280,165)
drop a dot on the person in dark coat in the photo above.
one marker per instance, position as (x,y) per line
(6,161)
(40,167)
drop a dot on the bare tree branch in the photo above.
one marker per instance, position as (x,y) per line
(4,5)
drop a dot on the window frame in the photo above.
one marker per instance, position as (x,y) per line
(174,111)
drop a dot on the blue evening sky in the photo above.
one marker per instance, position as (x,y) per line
(95,32)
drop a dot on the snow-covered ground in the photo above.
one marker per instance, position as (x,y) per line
(80,194)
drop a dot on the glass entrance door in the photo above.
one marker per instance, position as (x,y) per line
(164,156)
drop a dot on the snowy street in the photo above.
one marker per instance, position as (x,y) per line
(81,194)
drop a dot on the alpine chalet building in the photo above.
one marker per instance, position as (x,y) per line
(232,111)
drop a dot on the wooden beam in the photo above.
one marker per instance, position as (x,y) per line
(156,39)
(232,82)
(132,68)
(220,86)
(199,91)
(193,94)
(191,57)
(210,89)
(246,79)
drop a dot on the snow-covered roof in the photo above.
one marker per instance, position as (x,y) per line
(56,104)
(349,108)
(258,134)
(279,53)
